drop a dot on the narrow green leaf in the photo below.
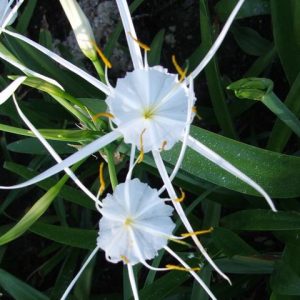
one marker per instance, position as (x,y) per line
(262,220)
(286,22)
(34,147)
(67,192)
(281,133)
(213,76)
(25,17)
(156,48)
(279,174)
(284,280)
(34,213)
(75,237)
(249,9)
(250,41)
(18,289)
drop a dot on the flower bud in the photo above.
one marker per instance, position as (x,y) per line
(81,28)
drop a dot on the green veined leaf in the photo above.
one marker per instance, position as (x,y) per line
(80,238)
(262,220)
(34,213)
(18,289)
(279,174)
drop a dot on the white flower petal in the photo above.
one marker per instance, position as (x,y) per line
(53,152)
(212,51)
(224,164)
(138,213)
(156,104)
(95,82)
(8,91)
(134,48)
(72,159)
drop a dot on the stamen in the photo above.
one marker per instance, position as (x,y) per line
(103,114)
(101,179)
(141,156)
(182,197)
(194,109)
(125,259)
(200,232)
(102,56)
(163,145)
(179,70)
(142,45)
(178,268)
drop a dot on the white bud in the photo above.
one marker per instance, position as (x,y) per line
(81,28)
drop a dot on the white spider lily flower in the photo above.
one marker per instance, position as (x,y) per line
(152,110)
(8,14)
(136,223)
(81,28)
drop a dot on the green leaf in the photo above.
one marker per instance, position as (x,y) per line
(18,289)
(284,280)
(66,192)
(25,17)
(250,41)
(34,213)
(212,73)
(246,265)
(279,174)
(80,238)
(286,22)
(34,147)
(249,9)
(63,135)
(163,286)
(156,48)
(230,243)
(281,133)
(262,220)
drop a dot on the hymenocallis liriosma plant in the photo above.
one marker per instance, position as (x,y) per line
(150,108)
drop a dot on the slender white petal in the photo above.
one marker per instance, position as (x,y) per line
(9,18)
(72,159)
(165,177)
(224,164)
(132,282)
(28,71)
(69,288)
(95,82)
(193,273)
(8,91)
(134,48)
(191,100)
(53,152)
(218,41)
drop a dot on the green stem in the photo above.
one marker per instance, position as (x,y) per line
(111,168)
(99,69)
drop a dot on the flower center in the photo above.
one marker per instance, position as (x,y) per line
(148,113)
(128,221)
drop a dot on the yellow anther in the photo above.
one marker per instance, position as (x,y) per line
(125,259)
(142,45)
(103,114)
(102,56)
(182,197)
(101,179)
(200,232)
(194,109)
(163,145)
(178,268)
(180,71)
(141,156)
